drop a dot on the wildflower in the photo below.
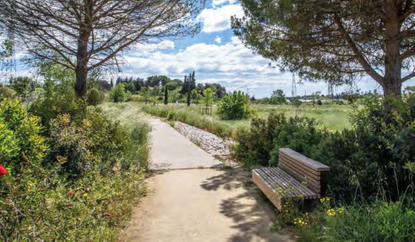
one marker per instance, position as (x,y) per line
(3,170)
(300,222)
(340,210)
(324,199)
(331,212)
(85,194)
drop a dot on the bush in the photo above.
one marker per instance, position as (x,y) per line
(58,95)
(261,143)
(118,94)
(23,86)
(6,92)
(234,106)
(20,140)
(95,96)
(42,200)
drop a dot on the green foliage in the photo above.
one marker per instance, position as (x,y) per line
(208,97)
(118,94)
(365,161)
(312,37)
(42,201)
(58,95)
(278,97)
(6,92)
(381,221)
(234,106)
(95,96)
(23,86)
(195,96)
(189,117)
(296,103)
(21,142)
(372,156)
(260,144)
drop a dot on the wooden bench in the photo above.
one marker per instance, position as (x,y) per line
(296,177)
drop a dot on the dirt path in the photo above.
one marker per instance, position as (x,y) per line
(197,205)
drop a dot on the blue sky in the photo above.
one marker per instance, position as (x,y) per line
(218,56)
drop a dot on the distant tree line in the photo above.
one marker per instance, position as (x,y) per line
(135,84)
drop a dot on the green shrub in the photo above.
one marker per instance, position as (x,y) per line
(58,95)
(234,106)
(95,96)
(260,144)
(44,202)
(23,86)
(20,139)
(6,92)
(371,158)
(118,94)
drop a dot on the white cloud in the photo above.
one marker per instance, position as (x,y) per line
(147,49)
(216,3)
(218,39)
(219,19)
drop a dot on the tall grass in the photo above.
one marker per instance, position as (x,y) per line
(132,119)
(192,117)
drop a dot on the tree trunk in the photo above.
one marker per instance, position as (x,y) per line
(82,58)
(392,83)
(166,95)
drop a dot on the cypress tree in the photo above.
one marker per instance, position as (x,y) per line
(166,95)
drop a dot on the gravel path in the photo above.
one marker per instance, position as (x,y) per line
(197,205)
(209,142)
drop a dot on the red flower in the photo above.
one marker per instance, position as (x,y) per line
(3,170)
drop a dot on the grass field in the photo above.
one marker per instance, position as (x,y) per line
(334,117)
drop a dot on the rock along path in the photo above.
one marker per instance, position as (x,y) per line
(196,205)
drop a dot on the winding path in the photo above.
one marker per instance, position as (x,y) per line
(196,205)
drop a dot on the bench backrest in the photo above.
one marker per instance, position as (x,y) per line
(302,168)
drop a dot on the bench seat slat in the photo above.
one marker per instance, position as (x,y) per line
(280,181)
(293,184)
(276,183)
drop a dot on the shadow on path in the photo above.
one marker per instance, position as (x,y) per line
(251,213)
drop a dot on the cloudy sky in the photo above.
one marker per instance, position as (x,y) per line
(218,56)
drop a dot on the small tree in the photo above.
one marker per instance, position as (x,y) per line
(234,106)
(195,96)
(95,96)
(278,97)
(208,97)
(118,94)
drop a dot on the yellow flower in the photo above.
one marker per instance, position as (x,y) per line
(340,210)
(85,194)
(331,212)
